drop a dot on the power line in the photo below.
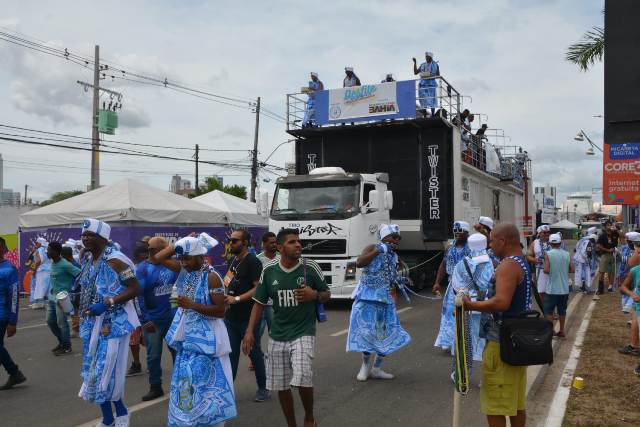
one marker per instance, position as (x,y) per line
(175,85)
(118,142)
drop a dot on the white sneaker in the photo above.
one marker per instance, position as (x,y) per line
(379,374)
(365,370)
(122,421)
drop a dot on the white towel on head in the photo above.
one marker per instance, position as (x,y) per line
(96,226)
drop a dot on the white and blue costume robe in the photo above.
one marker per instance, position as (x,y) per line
(427,87)
(446,335)
(310,111)
(540,248)
(482,270)
(621,273)
(585,262)
(202,383)
(105,338)
(43,275)
(374,326)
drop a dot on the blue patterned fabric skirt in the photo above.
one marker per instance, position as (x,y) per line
(446,337)
(201,390)
(375,328)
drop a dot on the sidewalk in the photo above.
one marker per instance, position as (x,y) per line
(611,393)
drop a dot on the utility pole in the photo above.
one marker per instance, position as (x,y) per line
(197,178)
(95,136)
(25,193)
(254,163)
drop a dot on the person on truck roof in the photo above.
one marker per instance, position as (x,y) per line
(374,326)
(453,255)
(428,84)
(315,85)
(388,78)
(351,79)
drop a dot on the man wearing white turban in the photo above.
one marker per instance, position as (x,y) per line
(535,255)
(374,326)
(453,255)
(428,84)
(43,273)
(315,85)
(108,285)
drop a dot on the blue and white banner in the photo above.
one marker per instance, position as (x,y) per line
(367,102)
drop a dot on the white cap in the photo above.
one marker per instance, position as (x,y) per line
(486,221)
(348,69)
(633,236)
(96,226)
(430,54)
(555,238)
(43,242)
(543,228)
(477,242)
(385,229)
(592,230)
(314,74)
(464,225)
(593,236)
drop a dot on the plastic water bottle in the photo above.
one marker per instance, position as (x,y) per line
(174,297)
(321,315)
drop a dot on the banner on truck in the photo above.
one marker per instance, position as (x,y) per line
(368,102)
(621,174)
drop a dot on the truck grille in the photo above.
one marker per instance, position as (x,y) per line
(325,266)
(324,247)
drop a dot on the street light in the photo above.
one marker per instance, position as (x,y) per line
(581,136)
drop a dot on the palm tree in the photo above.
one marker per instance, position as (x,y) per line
(588,50)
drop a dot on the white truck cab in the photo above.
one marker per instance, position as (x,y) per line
(337,214)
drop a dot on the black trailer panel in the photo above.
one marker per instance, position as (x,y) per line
(417,155)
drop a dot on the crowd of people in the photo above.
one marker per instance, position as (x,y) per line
(171,294)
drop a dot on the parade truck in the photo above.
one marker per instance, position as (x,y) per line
(389,161)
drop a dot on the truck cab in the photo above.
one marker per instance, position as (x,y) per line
(337,214)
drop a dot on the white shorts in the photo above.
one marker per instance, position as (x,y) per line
(542,280)
(289,363)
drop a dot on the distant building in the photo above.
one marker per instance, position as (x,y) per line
(8,197)
(576,206)
(545,198)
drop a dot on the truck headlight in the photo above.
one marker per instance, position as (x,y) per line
(350,272)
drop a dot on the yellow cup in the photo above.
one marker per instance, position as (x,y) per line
(578,383)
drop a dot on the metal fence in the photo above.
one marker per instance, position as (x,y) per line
(448,101)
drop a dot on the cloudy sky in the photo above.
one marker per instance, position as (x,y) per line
(507,56)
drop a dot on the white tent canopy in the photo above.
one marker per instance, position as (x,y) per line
(564,225)
(239,211)
(127,200)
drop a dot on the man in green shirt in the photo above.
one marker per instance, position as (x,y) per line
(63,274)
(295,286)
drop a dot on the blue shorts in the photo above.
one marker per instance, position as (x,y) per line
(559,302)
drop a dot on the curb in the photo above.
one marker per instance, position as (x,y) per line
(537,373)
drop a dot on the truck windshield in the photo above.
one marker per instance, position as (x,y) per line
(313,200)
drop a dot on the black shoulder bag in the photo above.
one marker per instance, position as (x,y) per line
(526,338)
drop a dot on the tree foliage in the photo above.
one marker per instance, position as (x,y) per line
(234,190)
(587,51)
(60,196)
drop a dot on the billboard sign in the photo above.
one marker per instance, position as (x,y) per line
(621,174)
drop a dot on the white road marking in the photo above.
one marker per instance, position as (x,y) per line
(560,397)
(345,331)
(31,326)
(131,409)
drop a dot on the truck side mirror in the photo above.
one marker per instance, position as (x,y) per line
(374,200)
(262,204)
(388,200)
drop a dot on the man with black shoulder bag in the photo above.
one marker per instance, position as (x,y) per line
(516,336)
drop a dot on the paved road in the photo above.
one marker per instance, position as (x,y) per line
(420,395)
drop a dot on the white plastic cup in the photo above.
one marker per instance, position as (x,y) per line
(65,301)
